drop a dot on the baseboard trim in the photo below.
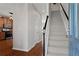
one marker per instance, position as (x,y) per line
(29,48)
(19,49)
(33,45)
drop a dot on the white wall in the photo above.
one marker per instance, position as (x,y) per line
(65,6)
(34,29)
(20,34)
(37,14)
(54,7)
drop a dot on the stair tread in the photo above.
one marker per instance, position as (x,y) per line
(57,50)
(58,43)
(56,54)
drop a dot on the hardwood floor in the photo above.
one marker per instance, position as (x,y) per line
(6,49)
(37,50)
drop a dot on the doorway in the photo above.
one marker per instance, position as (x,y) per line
(6,35)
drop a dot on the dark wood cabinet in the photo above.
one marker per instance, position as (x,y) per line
(2,35)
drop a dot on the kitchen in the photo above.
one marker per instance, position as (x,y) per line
(5,27)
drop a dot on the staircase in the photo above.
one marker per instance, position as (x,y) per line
(58,42)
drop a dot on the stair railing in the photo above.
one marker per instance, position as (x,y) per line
(44,29)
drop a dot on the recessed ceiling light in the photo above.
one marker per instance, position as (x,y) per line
(10,13)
